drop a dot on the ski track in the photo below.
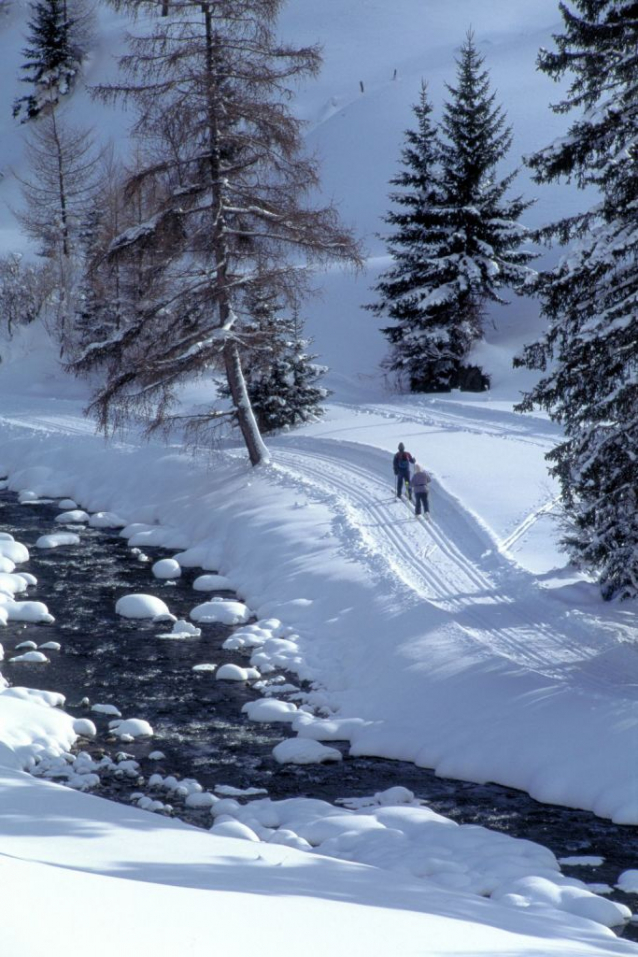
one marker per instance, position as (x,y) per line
(501,609)
(514,426)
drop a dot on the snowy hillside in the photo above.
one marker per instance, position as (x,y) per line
(464,644)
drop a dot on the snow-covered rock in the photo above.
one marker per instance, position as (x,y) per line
(131,728)
(106,709)
(106,520)
(57,539)
(167,568)
(31,657)
(14,551)
(182,629)
(231,672)
(143,606)
(75,516)
(12,584)
(84,727)
(304,751)
(270,710)
(31,611)
(222,611)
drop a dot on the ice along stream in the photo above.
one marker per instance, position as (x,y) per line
(198,722)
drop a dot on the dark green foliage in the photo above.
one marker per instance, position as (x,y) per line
(457,240)
(281,377)
(51,64)
(589,353)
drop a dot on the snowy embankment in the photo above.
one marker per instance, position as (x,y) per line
(139,884)
(429,644)
(324,555)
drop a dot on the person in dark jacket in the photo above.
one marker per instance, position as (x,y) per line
(420,484)
(401,462)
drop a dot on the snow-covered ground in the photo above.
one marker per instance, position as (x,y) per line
(464,645)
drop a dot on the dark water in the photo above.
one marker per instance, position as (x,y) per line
(197,720)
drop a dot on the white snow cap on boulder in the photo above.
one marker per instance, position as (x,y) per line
(167,568)
(56,539)
(222,611)
(304,751)
(76,516)
(143,606)
(106,520)
(15,551)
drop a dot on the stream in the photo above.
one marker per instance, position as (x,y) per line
(197,720)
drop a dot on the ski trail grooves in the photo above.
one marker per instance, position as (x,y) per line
(500,609)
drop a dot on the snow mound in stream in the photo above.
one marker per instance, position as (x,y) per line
(143,606)
(394,831)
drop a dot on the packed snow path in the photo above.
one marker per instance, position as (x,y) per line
(450,562)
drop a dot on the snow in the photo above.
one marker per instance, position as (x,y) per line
(270,709)
(74,517)
(167,568)
(106,520)
(466,646)
(230,672)
(131,728)
(222,611)
(628,881)
(182,629)
(304,751)
(57,539)
(12,584)
(16,552)
(142,606)
(84,727)
(36,657)
(106,709)
(30,611)
(212,583)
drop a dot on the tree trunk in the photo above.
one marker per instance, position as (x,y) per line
(255,445)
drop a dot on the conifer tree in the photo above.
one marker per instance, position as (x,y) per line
(52,64)
(410,293)
(589,354)
(458,240)
(484,237)
(222,154)
(281,376)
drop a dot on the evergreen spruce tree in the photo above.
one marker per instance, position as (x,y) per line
(589,354)
(483,252)
(281,376)
(458,240)
(412,291)
(52,64)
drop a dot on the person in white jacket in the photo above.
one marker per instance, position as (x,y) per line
(420,485)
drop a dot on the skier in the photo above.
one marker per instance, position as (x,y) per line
(401,463)
(420,483)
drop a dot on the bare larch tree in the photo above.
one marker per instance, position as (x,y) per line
(227,192)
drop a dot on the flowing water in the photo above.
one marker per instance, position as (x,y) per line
(197,720)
